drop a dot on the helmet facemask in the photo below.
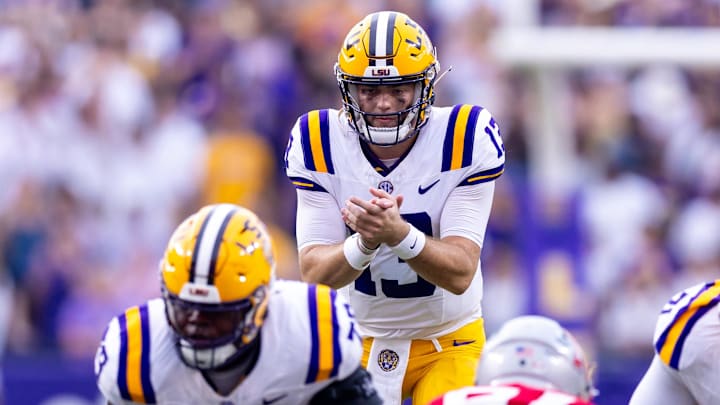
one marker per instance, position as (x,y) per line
(409,119)
(211,336)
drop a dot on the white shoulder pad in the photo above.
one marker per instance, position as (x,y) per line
(308,151)
(326,328)
(678,320)
(122,361)
(472,142)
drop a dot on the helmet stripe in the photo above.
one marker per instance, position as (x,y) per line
(216,247)
(382,31)
(380,36)
(210,235)
(390,33)
(373,38)
(193,263)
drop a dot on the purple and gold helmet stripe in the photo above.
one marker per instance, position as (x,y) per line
(207,244)
(325,354)
(373,39)
(315,141)
(382,32)
(460,137)
(201,232)
(216,247)
(389,38)
(483,176)
(133,377)
(669,345)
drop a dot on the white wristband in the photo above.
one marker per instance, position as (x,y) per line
(411,246)
(355,254)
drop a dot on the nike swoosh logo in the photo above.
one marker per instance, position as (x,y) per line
(271,400)
(462,342)
(424,190)
(413,244)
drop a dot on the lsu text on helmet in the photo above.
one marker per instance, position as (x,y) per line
(536,351)
(216,276)
(387,48)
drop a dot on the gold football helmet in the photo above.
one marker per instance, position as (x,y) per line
(216,276)
(387,48)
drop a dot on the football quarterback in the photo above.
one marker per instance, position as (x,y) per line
(530,360)
(226,332)
(394,196)
(686,365)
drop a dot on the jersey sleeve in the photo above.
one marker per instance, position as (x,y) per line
(122,361)
(335,344)
(319,221)
(467,212)
(308,154)
(661,385)
(473,143)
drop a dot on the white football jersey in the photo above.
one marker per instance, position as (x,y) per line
(459,146)
(687,340)
(308,340)
(511,394)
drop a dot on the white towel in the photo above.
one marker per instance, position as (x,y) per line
(387,364)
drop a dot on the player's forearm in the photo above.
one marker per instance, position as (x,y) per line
(326,264)
(450,263)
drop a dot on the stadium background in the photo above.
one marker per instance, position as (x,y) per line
(118,118)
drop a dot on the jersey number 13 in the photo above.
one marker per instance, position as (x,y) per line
(392,288)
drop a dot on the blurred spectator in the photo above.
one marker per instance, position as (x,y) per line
(117,118)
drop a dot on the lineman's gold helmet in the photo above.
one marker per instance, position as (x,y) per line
(216,278)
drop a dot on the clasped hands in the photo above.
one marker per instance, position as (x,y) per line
(377,220)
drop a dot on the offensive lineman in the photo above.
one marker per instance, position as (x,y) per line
(226,332)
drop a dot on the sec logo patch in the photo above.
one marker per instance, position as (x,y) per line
(386,186)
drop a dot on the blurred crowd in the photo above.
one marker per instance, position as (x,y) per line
(120,117)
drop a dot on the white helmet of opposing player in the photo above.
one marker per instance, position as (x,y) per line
(538,352)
